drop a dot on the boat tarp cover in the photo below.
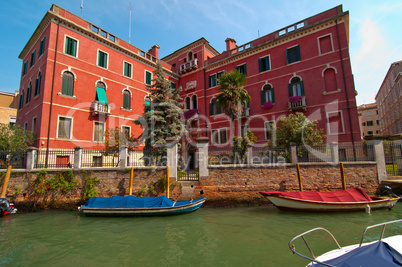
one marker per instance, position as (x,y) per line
(349,195)
(132,202)
(376,254)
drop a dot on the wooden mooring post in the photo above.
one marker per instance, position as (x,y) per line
(343,176)
(299,177)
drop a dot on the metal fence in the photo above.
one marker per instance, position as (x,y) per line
(313,154)
(393,158)
(358,152)
(270,155)
(56,158)
(225,155)
(100,158)
(17,159)
(146,157)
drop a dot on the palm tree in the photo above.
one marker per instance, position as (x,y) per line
(232,95)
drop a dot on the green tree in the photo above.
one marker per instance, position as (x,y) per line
(114,139)
(297,128)
(232,95)
(13,140)
(162,117)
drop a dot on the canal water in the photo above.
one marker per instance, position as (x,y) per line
(242,236)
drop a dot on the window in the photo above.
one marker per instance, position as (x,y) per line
(377,132)
(126,99)
(215,108)
(370,132)
(364,124)
(242,69)
(28,96)
(378,122)
(126,131)
(330,80)
(33,58)
(70,47)
(37,84)
(194,102)
(12,120)
(102,59)
(370,123)
(325,44)
(42,46)
(269,130)
(33,124)
(173,86)
(101,93)
(24,71)
(293,54)
(335,122)
(25,126)
(368,113)
(264,64)
(267,94)
(99,129)
(187,103)
(127,69)
(148,77)
(67,86)
(21,104)
(296,87)
(244,129)
(212,80)
(64,128)
(219,136)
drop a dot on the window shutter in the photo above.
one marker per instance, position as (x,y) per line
(245,69)
(263,97)
(74,48)
(298,53)
(209,82)
(273,95)
(126,100)
(260,64)
(302,88)
(287,56)
(267,67)
(290,90)
(70,86)
(211,109)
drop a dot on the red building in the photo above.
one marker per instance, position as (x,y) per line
(78,80)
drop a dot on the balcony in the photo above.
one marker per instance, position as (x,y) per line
(98,108)
(297,103)
(189,66)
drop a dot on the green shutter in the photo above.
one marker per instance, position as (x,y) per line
(267,66)
(245,69)
(211,109)
(262,97)
(66,46)
(302,88)
(70,86)
(64,85)
(290,90)
(126,100)
(298,53)
(287,56)
(74,48)
(260,64)
(147,77)
(273,95)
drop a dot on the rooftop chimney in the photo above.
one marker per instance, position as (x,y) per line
(154,51)
(230,44)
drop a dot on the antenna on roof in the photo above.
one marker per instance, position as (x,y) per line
(129,28)
(82,5)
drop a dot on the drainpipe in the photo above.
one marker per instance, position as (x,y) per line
(51,95)
(205,95)
(346,90)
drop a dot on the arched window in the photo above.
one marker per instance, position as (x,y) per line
(194,102)
(67,87)
(189,56)
(28,96)
(296,87)
(101,93)
(37,84)
(187,103)
(126,99)
(330,80)
(267,94)
(21,104)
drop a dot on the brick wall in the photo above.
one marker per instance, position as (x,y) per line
(223,185)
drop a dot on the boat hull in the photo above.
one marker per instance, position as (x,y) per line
(165,211)
(292,204)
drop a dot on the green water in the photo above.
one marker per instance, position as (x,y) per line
(244,236)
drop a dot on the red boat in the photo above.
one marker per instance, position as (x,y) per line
(354,199)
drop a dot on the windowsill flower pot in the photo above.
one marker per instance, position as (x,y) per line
(268,105)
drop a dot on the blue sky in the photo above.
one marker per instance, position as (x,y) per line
(375,28)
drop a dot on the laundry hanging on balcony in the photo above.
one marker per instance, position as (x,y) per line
(101,95)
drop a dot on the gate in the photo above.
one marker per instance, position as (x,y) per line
(188,170)
(393,158)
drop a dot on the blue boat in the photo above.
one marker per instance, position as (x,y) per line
(138,206)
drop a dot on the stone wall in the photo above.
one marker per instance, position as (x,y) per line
(225,185)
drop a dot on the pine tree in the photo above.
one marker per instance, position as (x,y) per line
(162,117)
